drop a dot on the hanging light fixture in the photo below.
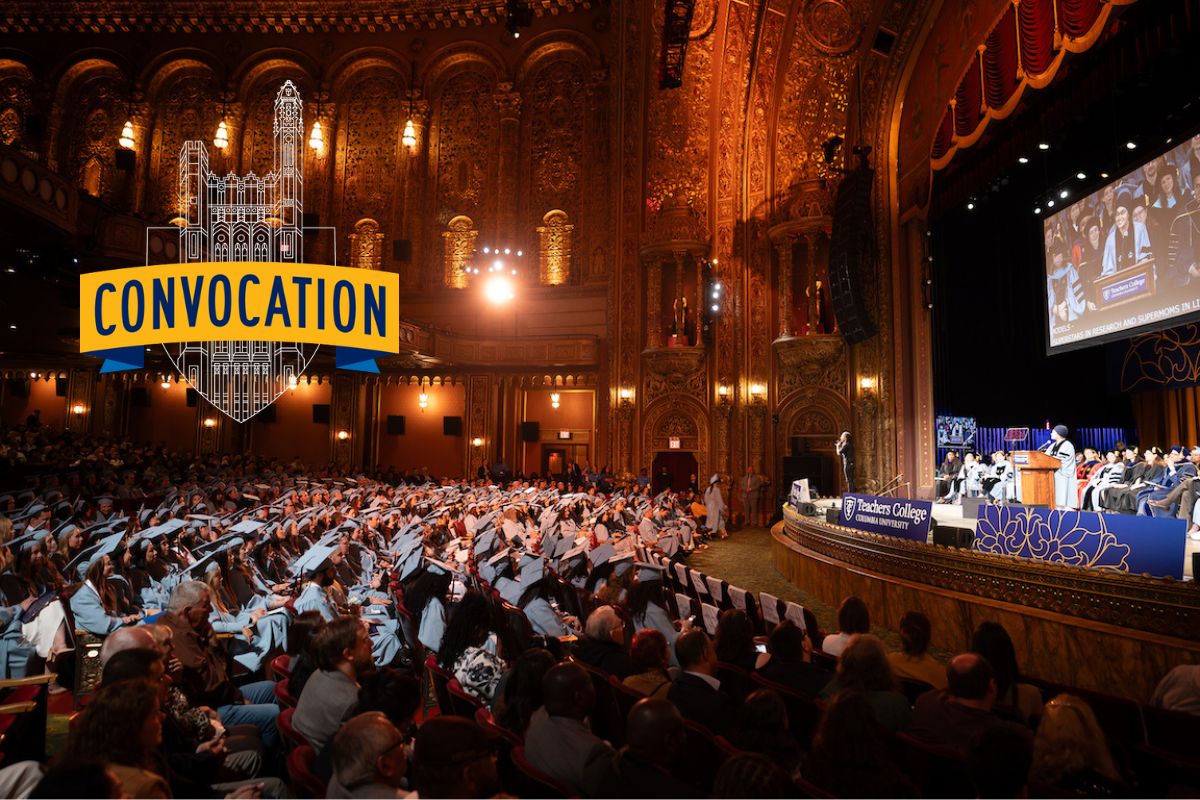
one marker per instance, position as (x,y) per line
(554,398)
(423,398)
(410,134)
(221,140)
(126,140)
(316,139)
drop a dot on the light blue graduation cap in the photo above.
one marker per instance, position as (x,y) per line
(485,543)
(510,590)
(208,563)
(248,526)
(601,554)
(410,564)
(573,555)
(102,548)
(312,560)
(622,562)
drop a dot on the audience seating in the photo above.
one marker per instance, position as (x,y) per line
(808,789)
(1173,731)
(913,688)
(283,696)
(702,756)
(23,714)
(1161,773)
(440,678)
(300,764)
(608,721)
(936,771)
(824,660)
(279,667)
(462,702)
(506,740)
(734,680)
(804,713)
(288,731)
(532,782)
(625,696)
(484,718)
(1119,717)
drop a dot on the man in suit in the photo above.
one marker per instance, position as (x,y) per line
(751,485)
(655,738)
(696,692)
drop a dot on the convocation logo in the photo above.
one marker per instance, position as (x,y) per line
(850,503)
(241,313)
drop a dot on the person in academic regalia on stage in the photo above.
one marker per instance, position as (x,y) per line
(1065,495)
(714,504)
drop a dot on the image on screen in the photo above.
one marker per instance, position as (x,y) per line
(955,431)
(1126,258)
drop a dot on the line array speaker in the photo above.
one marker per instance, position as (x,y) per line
(395,424)
(531,431)
(452,426)
(852,254)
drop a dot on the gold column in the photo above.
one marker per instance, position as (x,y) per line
(680,263)
(410,273)
(810,281)
(508,103)
(784,250)
(80,392)
(343,417)
(653,303)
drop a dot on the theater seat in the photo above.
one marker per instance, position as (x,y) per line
(440,678)
(279,667)
(300,764)
(936,771)
(804,713)
(533,782)
(462,702)
(703,755)
(283,696)
(1173,731)
(735,680)
(288,731)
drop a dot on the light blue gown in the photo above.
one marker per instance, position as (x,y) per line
(385,641)
(90,614)
(655,618)
(543,619)
(433,625)
(14,652)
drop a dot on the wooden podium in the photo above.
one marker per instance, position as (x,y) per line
(1035,471)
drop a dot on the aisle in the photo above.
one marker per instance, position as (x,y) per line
(744,559)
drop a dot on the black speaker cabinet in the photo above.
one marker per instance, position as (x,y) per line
(452,426)
(310,219)
(139,397)
(395,424)
(267,415)
(808,509)
(949,536)
(125,160)
(402,250)
(852,254)
(832,514)
(530,431)
(193,398)
(320,413)
(60,387)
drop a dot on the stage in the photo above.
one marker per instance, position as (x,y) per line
(952,516)
(1101,630)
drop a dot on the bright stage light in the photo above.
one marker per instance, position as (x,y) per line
(498,290)
(1022,160)
(1043,145)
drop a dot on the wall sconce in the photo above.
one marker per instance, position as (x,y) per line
(423,401)
(477,442)
(343,435)
(221,140)
(316,139)
(409,137)
(866,384)
(126,138)
(210,422)
(293,382)
(78,409)
(758,392)
(554,398)
(34,375)
(723,393)
(165,382)
(626,394)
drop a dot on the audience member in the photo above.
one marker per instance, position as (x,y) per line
(1021,701)
(83,777)
(343,651)
(734,641)
(849,757)
(520,692)
(852,618)
(696,692)
(468,650)
(1071,753)
(955,716)
(999,761)
(369,759)
(558,741)
(137,637)
(762,727)
(603,643)
(454,757)
(864,668)
(655,737)
(122,726)
(650,659)
(790,663)
(301,661)
(913,660)
(395,694)
(203,677)
(1179,690)
(749,775)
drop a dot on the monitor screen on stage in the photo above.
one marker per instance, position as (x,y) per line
(955,431)
(1126,258)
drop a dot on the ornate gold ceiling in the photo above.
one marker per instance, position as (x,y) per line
(253,16)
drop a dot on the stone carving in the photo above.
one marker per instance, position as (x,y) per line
(555,135)
(812,361)
(675,369)
(554,248)
(366,245)
(459,248)
(832,26)
(370,160)
(465,158)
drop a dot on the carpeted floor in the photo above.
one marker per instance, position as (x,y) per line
(744,560)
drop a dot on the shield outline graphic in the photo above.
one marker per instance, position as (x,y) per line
(849,507)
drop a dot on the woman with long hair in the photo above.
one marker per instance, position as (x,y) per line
(864,668)
(1070,751)
(647,609)
(735,641)
(122,725)
(426,599)
(95,603)
(850,757)
(1013,698)
(521,694)
(465,649)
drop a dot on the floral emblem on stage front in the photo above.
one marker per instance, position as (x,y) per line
(1078,539)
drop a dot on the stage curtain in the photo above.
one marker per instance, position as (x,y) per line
(968,101)
(1076,17)
(1167,417)
(1036,18)
(945,135)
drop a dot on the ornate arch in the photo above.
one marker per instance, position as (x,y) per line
(266,64)
(555,46)
(361,64)
(677,415)
(455,58)
(166,69)
(16,83)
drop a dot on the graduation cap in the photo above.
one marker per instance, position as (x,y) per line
(510,590)
(622,562)
(410,564)
(84,558)
(602,554)
(647,571)
(312,560)
(485,542)
(248,526)
(574,554)
(440,567)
